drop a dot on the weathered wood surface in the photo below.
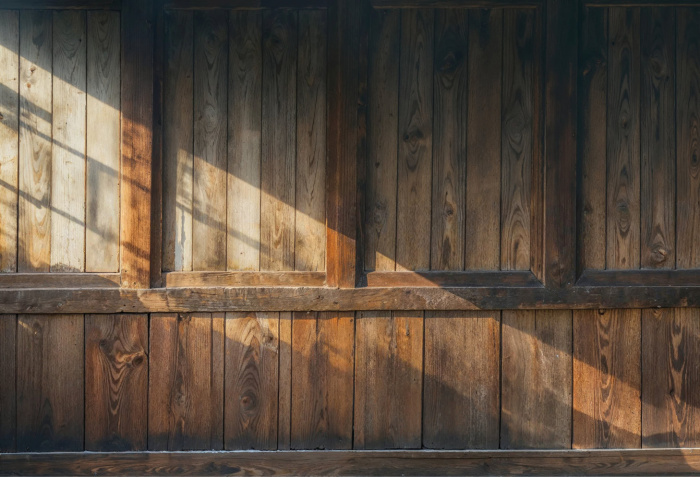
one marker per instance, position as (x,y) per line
(241,279)
(8,373)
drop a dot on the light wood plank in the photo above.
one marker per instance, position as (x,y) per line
(8,370)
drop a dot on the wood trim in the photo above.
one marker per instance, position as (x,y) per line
(244,279)
(567,462)
(61,4)
(60,280)
(452,279)
(639,278)
(456,3)
(242,4)
(640,3)
(137,140)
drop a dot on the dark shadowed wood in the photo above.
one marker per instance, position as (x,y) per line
(50,383)
(284,405)
(156,255)
(116,382)
(388,380)
(536,378)
(671,380)
(455,3)
(239,279)
(483,201)
(622,243)
(62,4)
(688,138)
(322,380)
(244,4)
(607,379)
(186,382)
(457,279)
(250,381)
(8,396)
(640,278)
(461,398)
(623,3)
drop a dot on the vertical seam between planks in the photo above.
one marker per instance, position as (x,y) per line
(262,15)
(674,178)
(465,71)
(500,380)
(18,169)
(190,19)
(500,142)
(355,315)
(85,150)
(637,42)
(51,161)
(296,14)
(148,379)
(606,20)
(431,69)
(227,48)
(398,136)
(422,387)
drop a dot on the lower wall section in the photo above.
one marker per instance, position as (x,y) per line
(369,380)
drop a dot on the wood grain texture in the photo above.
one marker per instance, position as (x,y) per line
(671,344)
(251,381)
(62,4)
(322,380)
(483,183)
(623,226)
(244,136)
(8,370)
(517,138)
(536,378)
(50,383)
(658,138)
(688,138)
(592,146)
(284,412)
(9,139)
(241,279)
(116,382)
(607,379)
(103,118)
(310,198)
(35,49)
(186,382)
(210,155)
(413,215)
(279,108)
(388,380)
(60,280)
(461,397)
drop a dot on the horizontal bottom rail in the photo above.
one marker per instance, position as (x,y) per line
(576,462)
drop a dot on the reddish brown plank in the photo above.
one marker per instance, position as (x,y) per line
(284,424)
(8,396)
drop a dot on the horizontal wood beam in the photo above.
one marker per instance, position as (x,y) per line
(242,4)
(640,3)
(61,4)
(60,280)
(455,3)
(596,462)
(244,279)
(639,278)
(452,279)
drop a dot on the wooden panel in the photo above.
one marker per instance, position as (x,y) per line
(382,142)
(310,203)
(536,380)
(607,379)
(34,243)
(483,200)
(60,280)
(517,138)
(461,403)
(622,250)
(592,148)
(241,279)
(244,96)
(415,141)
(210,159)
(455,279)
(671,381)
(251,381)
(116,382)
(322,380)
(50,383)
(688,138)
(8,396)
(279,108)
(450,142)
(284,412)
(388,380)
(9,138)
(103,117)
(186,382)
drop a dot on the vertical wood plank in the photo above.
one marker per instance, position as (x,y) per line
(116,382)
(388,380)
(688,137)
(382,141)
(251,381)
(186,382)
(137,38)
(245,109)
(658,138)
(536,380)
(103,106)
(8,395)
(284,426)
(517,138)
(178,141)
(310,214)
(592,146)
(483,200)
(9,139)
(50,383)
(413,216)
(622,250)
(322,380)
(607,379)
(450,94)
(210,132)
(279,108)
(462,391)
(671,382)
(34,243)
